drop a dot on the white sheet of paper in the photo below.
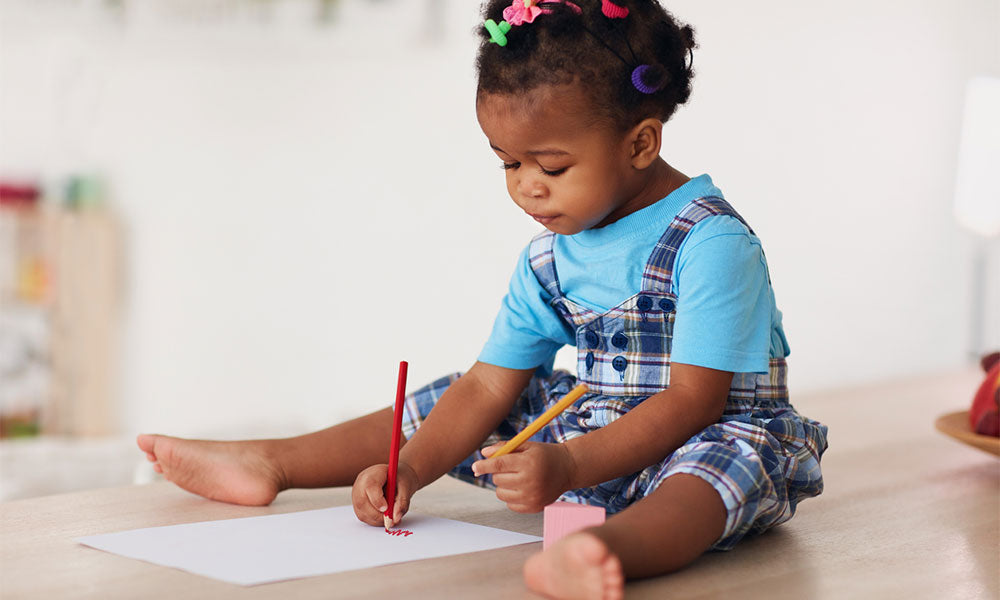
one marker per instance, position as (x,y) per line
(272,548)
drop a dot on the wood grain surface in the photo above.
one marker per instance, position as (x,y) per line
(907,513)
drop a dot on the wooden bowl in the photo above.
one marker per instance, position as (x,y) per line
(956,425)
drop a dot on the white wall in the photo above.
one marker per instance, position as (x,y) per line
(306,206)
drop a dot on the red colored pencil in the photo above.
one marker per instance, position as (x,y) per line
(397,430)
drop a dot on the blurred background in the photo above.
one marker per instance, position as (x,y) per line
(233,218)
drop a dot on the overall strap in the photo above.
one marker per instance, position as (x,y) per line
(542,262)
(659,272)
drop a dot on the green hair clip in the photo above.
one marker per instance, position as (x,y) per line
(497,31)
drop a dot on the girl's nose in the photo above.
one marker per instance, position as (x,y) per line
(530,187)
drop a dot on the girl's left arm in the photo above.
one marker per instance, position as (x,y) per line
(652,430)
(537,474)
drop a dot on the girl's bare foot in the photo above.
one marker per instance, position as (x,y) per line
(236,472)
(578,567)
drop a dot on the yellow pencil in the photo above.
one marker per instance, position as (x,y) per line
(541,421)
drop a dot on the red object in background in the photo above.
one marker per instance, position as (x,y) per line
(19,194)
(984,416)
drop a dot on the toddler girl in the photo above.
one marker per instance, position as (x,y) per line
(686,435)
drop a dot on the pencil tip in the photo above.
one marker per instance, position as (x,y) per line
(387,522)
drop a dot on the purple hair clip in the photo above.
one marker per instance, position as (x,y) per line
(648,79)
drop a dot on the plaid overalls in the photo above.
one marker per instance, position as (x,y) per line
(762,457)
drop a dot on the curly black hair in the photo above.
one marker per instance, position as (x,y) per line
(595,51)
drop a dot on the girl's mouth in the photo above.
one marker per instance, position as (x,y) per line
(541,219)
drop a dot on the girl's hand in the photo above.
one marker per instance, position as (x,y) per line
(531,477)
(368,495)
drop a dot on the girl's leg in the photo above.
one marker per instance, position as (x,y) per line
(663,532)
(253,472)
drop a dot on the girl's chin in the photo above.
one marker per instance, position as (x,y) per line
(563,228)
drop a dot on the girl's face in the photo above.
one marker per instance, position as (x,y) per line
(563,170)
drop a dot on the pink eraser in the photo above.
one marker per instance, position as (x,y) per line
(563,518)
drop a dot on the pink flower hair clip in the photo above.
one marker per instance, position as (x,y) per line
(524,11)
(518,13)
(521,11)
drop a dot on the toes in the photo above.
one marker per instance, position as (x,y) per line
(145,442)
(534,570)
(614,580)
(577,567)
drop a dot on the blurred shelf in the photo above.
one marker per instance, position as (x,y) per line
(59,307)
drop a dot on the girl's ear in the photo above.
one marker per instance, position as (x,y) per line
(645,138)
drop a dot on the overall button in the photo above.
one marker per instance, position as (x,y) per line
(592,339)
(619,364)
(644,303)
(589,360)
(619,341)
(667,305)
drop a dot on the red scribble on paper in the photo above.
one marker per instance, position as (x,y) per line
(402,532)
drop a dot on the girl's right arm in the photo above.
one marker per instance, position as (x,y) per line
(465,415)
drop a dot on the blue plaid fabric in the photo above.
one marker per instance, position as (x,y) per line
(762,457)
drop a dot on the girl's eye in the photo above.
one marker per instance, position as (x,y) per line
(555,172)
(509,166)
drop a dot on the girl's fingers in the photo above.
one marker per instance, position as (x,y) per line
(376,499)
(503,494)
(367,513)
(506,480)
(489,450)
(507,463)
(367,495)
(400,506)
(406,485)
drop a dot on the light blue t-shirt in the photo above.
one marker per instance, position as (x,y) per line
(726,316)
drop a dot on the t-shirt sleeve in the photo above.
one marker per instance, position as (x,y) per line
(723,318)
(527,331)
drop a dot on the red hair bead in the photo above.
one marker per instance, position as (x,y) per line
(612,10)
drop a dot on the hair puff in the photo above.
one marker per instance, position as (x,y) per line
(601,52)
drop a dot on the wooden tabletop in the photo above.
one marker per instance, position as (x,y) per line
(907,513)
